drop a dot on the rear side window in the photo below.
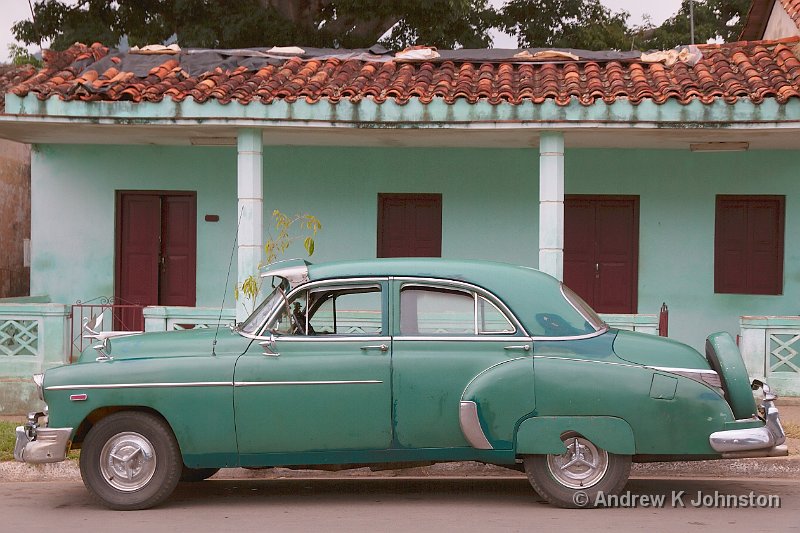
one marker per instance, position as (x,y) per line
(445,311)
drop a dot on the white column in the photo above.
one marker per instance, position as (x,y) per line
(250,211)
(551,203)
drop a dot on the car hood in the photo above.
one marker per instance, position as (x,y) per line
(172,344)
(651,350)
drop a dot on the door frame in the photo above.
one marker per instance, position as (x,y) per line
(119,193)
(635,247)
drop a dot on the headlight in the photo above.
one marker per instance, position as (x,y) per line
(38,379)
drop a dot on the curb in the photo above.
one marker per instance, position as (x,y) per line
(772,467)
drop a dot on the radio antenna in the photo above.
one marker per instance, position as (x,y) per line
(227,280)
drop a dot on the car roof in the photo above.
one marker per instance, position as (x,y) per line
(525,290)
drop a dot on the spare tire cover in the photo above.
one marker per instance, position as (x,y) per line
(724,357)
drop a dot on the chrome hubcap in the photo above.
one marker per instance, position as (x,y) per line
(128,461)
(581,466)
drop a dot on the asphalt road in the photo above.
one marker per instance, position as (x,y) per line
(397,504)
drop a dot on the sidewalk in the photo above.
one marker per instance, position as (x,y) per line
(768,467)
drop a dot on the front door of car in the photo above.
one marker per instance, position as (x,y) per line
(324,383)
(446,335)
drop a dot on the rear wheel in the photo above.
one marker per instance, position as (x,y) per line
(577,477)
(130,461)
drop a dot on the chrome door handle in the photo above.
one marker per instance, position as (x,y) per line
(381,347)
(525,347)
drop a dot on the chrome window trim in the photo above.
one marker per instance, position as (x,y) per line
(143,385)
(308,286)
(490,297)
(279,383)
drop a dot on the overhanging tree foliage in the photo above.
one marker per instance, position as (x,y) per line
(361,23)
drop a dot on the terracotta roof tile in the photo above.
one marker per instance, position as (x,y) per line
(792,8)
(743,70)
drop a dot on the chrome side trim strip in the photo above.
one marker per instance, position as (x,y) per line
(574,337)
(331,338)
(471,426)
(274,383)
(473,338)
(589,361)
(143,385)
(678,370)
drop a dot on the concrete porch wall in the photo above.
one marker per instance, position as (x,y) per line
(490,211)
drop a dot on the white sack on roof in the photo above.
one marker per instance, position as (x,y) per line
(286,50)
(417,54)
(545,54)
(154,49)
(687,54)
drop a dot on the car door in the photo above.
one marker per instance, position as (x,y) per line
(446,334)
(324,383)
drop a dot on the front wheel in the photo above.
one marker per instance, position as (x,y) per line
(579,477)
(130,461)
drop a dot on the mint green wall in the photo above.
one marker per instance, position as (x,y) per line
(72,211)
(490,210)
(676,235)
(490,192)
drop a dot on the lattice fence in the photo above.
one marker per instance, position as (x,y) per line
(783,346)
(19,337)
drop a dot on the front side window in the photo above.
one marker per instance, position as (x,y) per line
(332,310)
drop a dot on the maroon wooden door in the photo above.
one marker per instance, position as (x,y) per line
(156,251)
(601,250)
(409,225)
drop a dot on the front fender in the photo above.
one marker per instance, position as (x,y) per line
(542,434)
(503,395)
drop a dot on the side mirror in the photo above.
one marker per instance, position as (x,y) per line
(269,346)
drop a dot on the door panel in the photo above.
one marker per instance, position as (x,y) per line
(139,248)
(319,394)
(601,248)
(409,225)
(178,273)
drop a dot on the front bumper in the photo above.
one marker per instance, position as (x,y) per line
(37,445)
(764,441)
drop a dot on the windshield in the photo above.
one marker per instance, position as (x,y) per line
(275,298)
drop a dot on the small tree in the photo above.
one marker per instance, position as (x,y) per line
(289,229)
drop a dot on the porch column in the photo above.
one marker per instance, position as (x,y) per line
(551,203)
(250,211)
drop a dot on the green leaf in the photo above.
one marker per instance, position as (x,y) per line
(309,245)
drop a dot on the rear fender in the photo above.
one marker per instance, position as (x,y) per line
(542,434)
(503,395)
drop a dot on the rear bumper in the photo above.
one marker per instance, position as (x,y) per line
(37,445)
(764,441)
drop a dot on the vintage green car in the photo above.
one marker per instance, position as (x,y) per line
(398,362)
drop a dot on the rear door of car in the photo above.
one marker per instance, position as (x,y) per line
(324,384)
(445,334)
